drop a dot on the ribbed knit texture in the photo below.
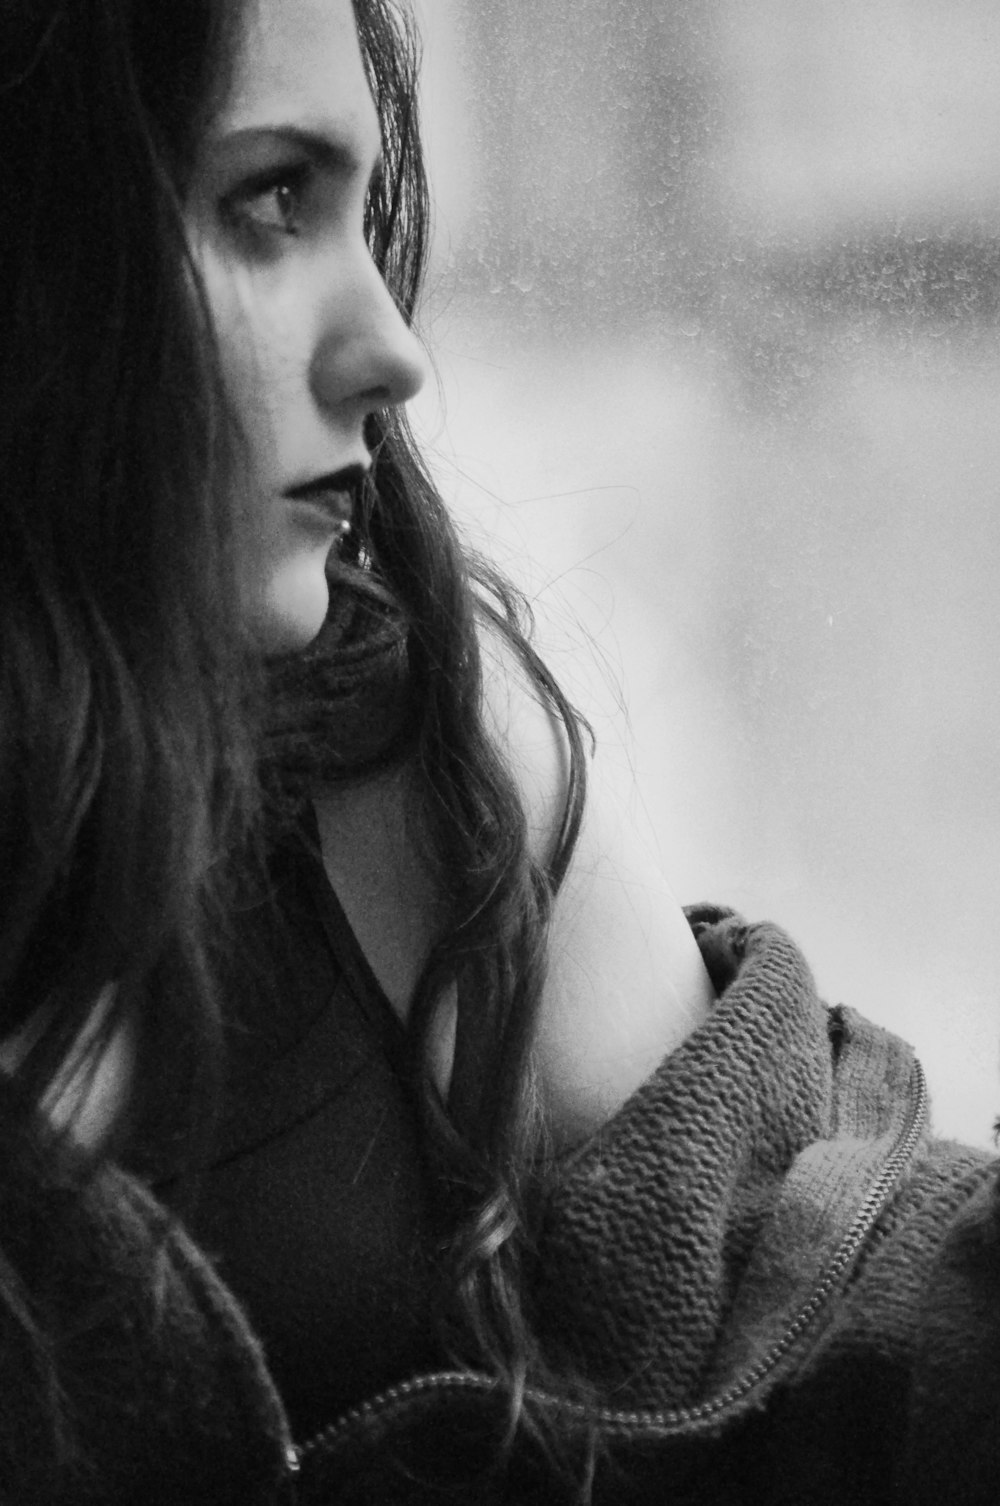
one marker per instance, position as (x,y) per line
(165,1389)
(679,1244)
(954,1422)
(341,709)
(683,1242)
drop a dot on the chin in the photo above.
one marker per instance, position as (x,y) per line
(288,610)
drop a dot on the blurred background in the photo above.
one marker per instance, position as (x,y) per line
(715,307)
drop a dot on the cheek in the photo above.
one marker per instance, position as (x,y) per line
(282,570)
(258,350)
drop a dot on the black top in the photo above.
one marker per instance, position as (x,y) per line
(317,1207)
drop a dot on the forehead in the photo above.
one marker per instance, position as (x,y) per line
(299,62)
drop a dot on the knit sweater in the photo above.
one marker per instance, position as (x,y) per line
(774,1287)
(779,1288)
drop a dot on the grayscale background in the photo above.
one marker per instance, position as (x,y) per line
(715,306)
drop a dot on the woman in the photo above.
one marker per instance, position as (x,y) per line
(307,936)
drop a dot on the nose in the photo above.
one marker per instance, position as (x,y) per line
(366,355)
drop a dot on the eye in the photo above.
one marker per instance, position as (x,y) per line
(270,204)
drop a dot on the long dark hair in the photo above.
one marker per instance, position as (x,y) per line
(125,767)
(127,759)
(128,711)
(490,1145)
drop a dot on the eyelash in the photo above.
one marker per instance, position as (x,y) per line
(292,182)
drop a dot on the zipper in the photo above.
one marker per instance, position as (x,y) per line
(674,1421)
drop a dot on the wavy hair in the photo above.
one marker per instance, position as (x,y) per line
(127,758)
(489,1147)
(129,715)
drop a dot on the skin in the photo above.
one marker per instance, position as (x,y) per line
(310,340)
(310,343)
(625,982)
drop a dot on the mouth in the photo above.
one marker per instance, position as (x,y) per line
(335,494)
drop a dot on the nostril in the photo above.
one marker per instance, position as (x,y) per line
(377,397)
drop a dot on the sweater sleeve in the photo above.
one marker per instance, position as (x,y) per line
(954,1440)
(160,1390)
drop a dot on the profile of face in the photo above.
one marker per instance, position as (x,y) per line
(310,340)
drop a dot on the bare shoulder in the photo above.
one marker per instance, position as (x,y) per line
(531,736)
(626,983)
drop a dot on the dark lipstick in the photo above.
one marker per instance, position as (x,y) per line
(336,492)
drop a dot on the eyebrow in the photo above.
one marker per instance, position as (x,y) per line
(325,149)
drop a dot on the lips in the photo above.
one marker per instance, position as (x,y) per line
(335,492)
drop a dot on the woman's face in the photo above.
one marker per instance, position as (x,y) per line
(310,340)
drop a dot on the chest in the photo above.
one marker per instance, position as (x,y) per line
(317,1209)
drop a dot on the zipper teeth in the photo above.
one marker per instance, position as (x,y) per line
(677,1419)
(843,1259)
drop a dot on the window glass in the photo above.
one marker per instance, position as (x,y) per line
(714,299)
